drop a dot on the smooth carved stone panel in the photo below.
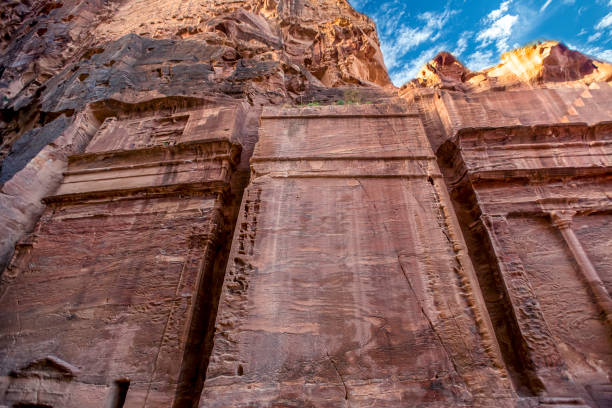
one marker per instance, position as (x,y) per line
(580,331)
(493,109)
(594,232)
(376,131)
(108,288)
(349,289)
(122,275)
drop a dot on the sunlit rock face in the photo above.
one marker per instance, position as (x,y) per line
(227,204)
(57,57)
(299,42)
(533,65)
(523,148)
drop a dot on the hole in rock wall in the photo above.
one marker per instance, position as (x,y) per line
(119,393)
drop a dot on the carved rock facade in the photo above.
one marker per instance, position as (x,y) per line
(178,233)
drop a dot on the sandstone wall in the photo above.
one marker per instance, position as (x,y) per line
(206,242)
(119,281)
(56,58)
(517,191)
(348,283)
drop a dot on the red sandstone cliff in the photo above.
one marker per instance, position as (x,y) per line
(171,242)
(530,66)
(57,57)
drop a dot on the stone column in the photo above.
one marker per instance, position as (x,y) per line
(563,221)
(545,366)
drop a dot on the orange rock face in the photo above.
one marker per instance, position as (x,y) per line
(178,230)
(534,65)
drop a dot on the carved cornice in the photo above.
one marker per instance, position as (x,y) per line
(183,168)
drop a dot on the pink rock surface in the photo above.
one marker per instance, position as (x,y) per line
(347,282)
(208,240)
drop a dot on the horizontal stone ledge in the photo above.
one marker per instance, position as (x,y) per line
(493,159)
(125,175)
(373,168)
(342,116)
(344,158)
(537,174)
(340,111)
(491,134)
(175,148)
(222,157)
(146,177)
(535,209)
(538,146)
(348,176)
(495,130)
(211,187)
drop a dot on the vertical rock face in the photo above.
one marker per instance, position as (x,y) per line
(388,312)
(541,265)
(142,211)
(58,57)
(176,232)
(525,154)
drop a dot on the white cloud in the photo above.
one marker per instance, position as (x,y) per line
(594,37)
(411,69)
(545,5)
(583,31)
(462,43)
(395,44)
(571,46)
(480,60)
(496,14)
(606,55)
(595,52)
(499,32)
(605,22)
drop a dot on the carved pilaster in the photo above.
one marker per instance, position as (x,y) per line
(562,219)
(540,350)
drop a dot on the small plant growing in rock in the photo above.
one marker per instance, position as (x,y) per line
(353,96)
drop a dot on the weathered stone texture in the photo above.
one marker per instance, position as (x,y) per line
(59,57)
(206,242)
(540,64)
(510,187)
(347,282)
(144,223)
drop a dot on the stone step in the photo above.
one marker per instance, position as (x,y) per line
(563,402)
(602,394)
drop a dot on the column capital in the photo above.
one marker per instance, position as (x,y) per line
(562,219)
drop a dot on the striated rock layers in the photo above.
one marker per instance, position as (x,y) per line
(533,65)
(179,230)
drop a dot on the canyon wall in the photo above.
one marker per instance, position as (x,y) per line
(227,204)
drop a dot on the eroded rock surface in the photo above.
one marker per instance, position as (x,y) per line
(541,64)
(206,242)
(388,312)
(57,57)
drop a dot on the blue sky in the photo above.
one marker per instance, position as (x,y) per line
(478,32)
